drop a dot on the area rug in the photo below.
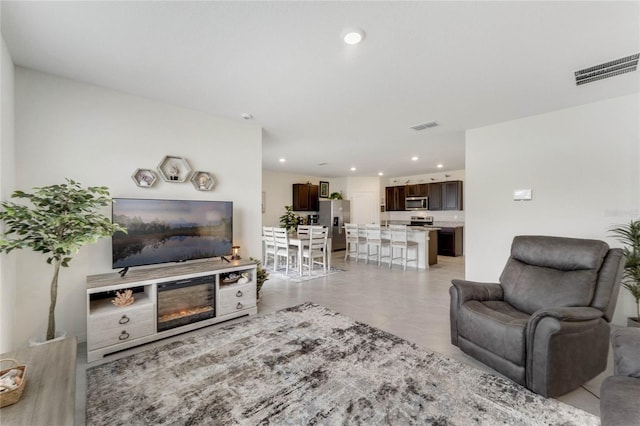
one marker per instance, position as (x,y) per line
(308,365)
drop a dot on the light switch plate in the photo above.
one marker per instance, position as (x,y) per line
(521,194)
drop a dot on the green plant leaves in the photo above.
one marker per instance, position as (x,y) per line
(57,219)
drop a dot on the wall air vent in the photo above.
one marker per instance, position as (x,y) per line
(608,69)
(423,126)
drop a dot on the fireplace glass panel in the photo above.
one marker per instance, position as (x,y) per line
(185,302)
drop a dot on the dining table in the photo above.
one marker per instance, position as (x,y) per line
(301,241)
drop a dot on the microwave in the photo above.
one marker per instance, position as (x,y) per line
(416,203)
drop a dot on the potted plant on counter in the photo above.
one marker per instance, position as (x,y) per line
(58,221)
(289,219)
(629,235)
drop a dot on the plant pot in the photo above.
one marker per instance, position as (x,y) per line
(40,340)
(633,322)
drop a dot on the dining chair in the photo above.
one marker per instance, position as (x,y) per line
(282,248)
(399,240)
(317,249)
(269,245)
(374,239)
(303,229)
(354,241)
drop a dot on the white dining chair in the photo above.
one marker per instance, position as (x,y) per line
(399,240)
(283,249)
(269,245)
(317,249)
(353,240)
(303,229)
(374,239)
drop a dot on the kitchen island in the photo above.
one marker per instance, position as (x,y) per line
(427,240)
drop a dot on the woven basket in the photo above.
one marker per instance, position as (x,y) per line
(9,397)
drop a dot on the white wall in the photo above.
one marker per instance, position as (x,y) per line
(7,171)
(278,191)
(364,193)
(99,137)
(582,165)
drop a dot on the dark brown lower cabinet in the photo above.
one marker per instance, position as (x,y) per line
(450,241)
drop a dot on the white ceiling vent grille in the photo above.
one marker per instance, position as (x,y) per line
(423,126)
(608,69)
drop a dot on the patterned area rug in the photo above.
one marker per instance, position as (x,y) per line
(308,365)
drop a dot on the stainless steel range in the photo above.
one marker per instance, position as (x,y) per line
(421,221)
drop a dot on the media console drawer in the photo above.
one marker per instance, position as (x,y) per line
(120,335)
(236,298)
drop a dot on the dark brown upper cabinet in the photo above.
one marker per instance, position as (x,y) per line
(305,197)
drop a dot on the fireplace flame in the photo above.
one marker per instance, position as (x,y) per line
(184,313)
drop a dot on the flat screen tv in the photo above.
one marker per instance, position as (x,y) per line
(163,231)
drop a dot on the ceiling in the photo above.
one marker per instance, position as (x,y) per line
(326,106)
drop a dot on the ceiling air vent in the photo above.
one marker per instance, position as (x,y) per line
(423,126)
(608,69)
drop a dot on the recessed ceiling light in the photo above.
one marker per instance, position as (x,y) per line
(282,160)
(380,174)
(353,169)
(439,166)
(353,36)
(414,158)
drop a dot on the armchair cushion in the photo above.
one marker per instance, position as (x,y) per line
(551,271)
(626,352)
(495,326)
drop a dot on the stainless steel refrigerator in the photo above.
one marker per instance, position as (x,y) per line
(333,214)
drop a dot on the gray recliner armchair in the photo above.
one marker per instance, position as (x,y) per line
(545,324)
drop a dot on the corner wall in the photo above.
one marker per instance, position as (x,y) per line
(97,136)
(582,165)
(7,171)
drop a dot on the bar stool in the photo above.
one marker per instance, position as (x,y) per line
(353,240)
(400,241)
(374,239)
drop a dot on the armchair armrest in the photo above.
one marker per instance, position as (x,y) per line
(462,291)
(565,345)
(567,314)
(626,350)
(471,290)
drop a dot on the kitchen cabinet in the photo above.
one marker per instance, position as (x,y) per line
(450,241)
(394,198)
(418,190)
(445,195)
(305,197)
(435,196)
(452,195)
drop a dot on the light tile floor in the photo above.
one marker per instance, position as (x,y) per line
(412,304)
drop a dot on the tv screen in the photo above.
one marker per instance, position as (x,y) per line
(162,231)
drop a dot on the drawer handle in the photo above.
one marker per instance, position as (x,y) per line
(125,319)
(123,336)
(239,294)
(239,306)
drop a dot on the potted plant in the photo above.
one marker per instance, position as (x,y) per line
(58,221)
(289,219)
(335,196)
(629,235)
(262,275)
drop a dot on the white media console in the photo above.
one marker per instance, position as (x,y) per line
(168,300)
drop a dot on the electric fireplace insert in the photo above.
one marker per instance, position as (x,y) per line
(186,301)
